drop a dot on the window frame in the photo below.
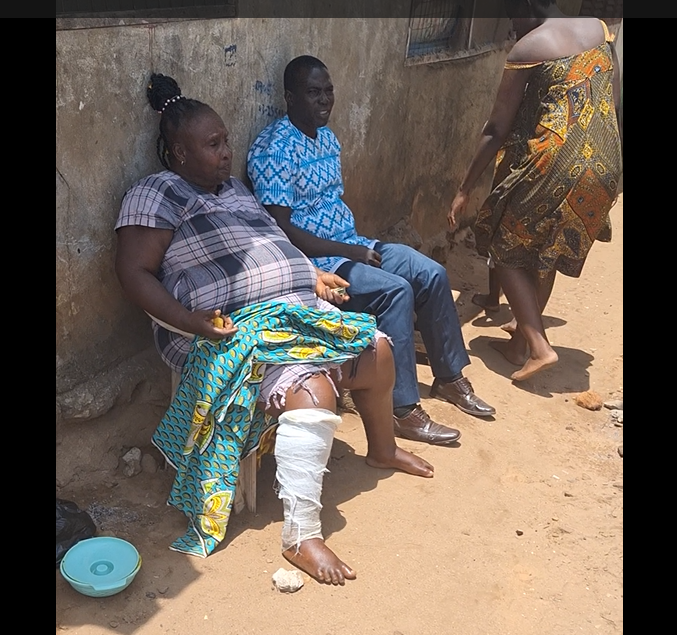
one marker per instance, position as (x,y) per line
(471,50)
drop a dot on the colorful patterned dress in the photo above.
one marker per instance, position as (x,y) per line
(557,173)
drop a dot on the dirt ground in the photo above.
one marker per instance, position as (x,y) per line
(520,531)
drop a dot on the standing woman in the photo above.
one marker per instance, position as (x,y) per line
(554,134)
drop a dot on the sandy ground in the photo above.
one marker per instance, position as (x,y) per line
(520,532)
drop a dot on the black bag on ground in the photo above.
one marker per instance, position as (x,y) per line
(72,525)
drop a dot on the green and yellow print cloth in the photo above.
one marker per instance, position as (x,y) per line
(212,422)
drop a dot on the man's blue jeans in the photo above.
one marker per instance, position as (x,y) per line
(407,284)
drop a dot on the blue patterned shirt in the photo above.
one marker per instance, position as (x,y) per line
(290,169)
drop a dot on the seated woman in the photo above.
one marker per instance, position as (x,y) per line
(193,246)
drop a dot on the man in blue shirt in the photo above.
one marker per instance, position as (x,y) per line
(294,165)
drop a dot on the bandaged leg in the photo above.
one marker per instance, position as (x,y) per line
(302,446)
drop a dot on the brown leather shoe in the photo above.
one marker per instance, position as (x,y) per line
(418,426)
(460,393)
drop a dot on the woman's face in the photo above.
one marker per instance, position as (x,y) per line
(202,150)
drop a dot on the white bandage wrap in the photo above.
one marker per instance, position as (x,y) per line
(302,446)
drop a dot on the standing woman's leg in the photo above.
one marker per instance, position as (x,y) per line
(522,291)
(490,302)
(544,286)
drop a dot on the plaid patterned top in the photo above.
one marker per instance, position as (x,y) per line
(289,169)
(227,252)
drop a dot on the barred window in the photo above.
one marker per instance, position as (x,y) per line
(451,29)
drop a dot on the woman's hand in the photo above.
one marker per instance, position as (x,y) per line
(331,288)
(494,133)
(458,209)
(211,324)
(139,256)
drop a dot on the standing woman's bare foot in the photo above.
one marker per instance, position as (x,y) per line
(484,301)
(508,349)
(403,460)
(534,365)
(319,562)
(510,327)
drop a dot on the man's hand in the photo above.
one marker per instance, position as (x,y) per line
(331,288)
(362,254)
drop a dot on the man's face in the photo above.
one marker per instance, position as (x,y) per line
(310,105)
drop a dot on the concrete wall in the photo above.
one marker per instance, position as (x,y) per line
(407,134)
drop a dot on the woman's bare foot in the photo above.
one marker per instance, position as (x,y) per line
(319,562)
(510,351)
(489,304)
(534,366)
(405,461)
(510,327)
